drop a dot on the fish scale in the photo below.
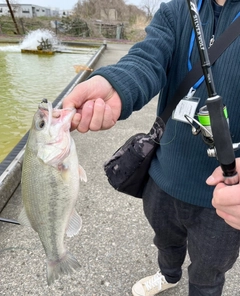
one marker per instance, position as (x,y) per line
(50,186)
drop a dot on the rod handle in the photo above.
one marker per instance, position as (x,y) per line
(222,139)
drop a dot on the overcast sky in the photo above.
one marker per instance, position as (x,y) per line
(63,4)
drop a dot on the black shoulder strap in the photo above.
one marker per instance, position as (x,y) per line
(218,47)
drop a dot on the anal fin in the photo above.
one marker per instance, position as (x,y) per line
(23,218)
(75,224)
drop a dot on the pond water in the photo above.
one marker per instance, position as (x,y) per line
(25,79)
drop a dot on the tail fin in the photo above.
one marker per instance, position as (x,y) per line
(66,265)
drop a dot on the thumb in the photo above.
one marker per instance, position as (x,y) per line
(216,177)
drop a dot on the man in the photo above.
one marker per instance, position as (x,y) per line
(176,200)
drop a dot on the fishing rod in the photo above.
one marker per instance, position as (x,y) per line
(9,221)
(218,134)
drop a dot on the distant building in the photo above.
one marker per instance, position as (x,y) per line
(109,14)
(65,13)
(27,10)
(55,12)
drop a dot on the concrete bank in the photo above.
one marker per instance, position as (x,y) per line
(114,247)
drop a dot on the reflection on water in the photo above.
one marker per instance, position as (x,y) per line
(25,80)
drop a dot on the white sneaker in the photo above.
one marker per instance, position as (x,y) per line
(151,285)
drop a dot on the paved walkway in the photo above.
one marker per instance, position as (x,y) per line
(115,246)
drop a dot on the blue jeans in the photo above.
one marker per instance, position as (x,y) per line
(213,245)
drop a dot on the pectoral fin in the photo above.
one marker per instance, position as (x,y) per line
(66,174)
(75,224)
(82,174)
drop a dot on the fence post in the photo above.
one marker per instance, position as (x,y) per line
(22,25)
(119,31)
(56,27)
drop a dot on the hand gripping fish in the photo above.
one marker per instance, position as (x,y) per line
(50,185)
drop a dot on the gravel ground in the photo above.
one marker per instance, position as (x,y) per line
(115,246)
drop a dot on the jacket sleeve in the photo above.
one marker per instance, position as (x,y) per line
(141,74)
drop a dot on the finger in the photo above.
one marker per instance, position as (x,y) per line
(76,97)
(108,120)
(226,195)
(232,220)
(71,101)
(230,213)
(234,225)
(98,115)
(75,121)
(216,177)
(86,117)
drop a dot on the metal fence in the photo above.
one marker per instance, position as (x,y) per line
(68,27)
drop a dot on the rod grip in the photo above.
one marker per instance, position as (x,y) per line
(222,139)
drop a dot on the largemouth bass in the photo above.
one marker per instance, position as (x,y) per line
(50,186)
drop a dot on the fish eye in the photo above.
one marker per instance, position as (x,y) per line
(40,124)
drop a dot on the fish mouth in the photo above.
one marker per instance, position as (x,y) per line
(57,143)
(56,115)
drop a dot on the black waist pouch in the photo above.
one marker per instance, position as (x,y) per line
(127,169)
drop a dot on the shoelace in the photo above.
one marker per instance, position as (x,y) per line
(156,281)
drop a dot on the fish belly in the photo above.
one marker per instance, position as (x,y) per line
(49,202)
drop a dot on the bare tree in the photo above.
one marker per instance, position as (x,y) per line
(151,6)
(92,9)
(85,8)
